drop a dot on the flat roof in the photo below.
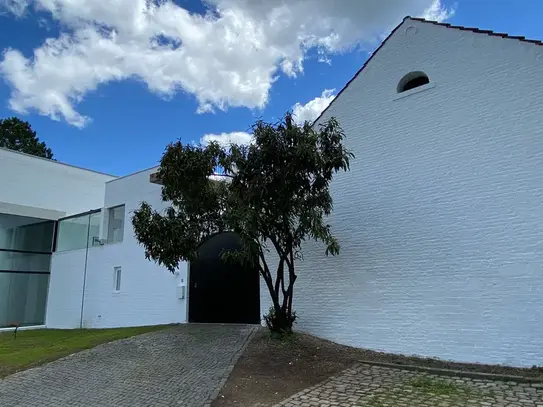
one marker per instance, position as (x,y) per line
(55,162)
(133,173)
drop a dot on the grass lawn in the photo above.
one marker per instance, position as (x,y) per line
(38,346)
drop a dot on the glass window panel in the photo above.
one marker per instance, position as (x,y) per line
(6,238)
(73,233)
(35,237)
(23,298)
(24,233)
(16,261)
(5,279)
(94,228)
(115,224)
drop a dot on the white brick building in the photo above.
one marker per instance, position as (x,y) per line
(440,219)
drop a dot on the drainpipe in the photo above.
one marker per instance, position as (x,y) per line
(85,275)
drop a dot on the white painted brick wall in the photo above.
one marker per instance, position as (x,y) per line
(441,217)
(148,292)
(39,183)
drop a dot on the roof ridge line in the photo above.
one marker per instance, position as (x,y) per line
(476,30)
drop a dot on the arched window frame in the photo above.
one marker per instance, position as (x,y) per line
(412,80)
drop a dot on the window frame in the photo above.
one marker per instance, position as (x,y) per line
(77,215)
(117,279)
(410,77)
(413,91)
(110,230)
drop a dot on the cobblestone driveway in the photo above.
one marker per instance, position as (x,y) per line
(181,366)
(373,386)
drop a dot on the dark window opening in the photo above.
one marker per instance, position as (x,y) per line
(412,80)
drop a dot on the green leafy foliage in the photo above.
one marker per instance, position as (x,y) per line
(274,319)
(274,193)
(18,135)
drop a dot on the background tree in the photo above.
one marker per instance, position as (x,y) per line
(18,135)
(275,195)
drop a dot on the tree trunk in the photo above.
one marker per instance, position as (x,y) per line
(280,317)
(281,320)
(290,291)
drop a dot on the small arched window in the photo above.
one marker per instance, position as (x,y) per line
(412,80)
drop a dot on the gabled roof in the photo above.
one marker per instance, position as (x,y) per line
(422,20)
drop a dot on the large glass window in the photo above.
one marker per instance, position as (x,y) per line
(115,229)
(78,232)
(23,298)
(26,234)
(25,259)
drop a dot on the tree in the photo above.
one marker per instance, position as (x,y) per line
(18,135)
(274,193)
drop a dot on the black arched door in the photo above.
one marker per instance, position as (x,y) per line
(220,291)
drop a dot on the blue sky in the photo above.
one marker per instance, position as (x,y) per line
(113,103)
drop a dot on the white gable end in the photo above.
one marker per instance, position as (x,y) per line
(440,219)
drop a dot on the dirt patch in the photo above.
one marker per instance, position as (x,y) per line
(270,370)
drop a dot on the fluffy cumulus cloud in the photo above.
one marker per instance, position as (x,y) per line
(225,139)
(312,109)
(227,57)
(302,112)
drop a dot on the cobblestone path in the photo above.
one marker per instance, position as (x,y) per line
(180,366)
(373,386)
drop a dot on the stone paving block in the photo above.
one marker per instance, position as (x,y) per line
(183,366)
(375,386)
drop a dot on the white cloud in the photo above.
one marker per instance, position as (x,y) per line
(17,7)
(436,12)
(312,109)
(228,57)
(225,139)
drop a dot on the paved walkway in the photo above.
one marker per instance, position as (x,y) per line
(372,386)
(181,366)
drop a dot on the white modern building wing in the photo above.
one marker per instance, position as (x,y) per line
(34,194)
(100,277)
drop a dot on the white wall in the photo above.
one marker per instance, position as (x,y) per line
(148,292)
(65,289)
(440,219)
(32,182)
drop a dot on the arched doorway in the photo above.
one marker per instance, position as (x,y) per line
(222,292)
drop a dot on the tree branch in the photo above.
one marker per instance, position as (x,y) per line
(265,272)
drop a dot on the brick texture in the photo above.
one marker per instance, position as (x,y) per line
(440,219)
